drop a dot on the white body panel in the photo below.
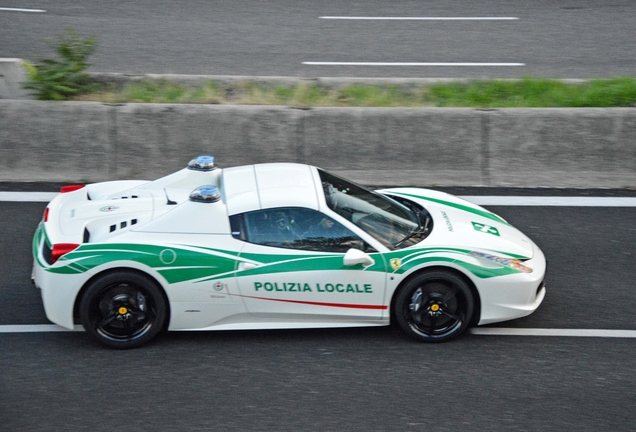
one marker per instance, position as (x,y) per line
(214,281)
(314,295)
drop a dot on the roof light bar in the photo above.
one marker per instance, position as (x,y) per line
(202,163)
(205,194)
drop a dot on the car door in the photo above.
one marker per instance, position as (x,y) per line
(293,267)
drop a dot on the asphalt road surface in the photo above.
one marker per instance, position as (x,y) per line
(346,379)
(500,38)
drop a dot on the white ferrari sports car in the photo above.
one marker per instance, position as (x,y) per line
(276,246)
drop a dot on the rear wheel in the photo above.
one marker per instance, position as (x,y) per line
(435,306)
(123,309)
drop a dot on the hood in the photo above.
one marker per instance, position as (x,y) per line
(459,223)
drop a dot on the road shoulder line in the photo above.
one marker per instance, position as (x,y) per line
(498,331)
(486,331)
(535,201)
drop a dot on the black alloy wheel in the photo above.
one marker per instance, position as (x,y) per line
(123,309)
(434,306)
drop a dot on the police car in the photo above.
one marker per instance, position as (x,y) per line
(276,246)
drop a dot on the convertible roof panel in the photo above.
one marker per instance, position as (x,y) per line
(264,186)
(283,185)
(239,186)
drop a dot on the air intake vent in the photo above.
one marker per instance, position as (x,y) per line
(123,224)
(47,253)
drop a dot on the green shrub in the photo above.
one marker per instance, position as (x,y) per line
(61,79)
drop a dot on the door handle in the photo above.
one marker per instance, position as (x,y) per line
(246,266)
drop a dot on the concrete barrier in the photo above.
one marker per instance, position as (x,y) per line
(12,75)
(85,141)
(562,147)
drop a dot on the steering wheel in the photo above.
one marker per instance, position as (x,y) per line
(283,223)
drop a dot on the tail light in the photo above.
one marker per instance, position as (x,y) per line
(46,215)
(70,188)
(61,249)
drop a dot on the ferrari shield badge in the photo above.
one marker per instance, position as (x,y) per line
(396,263)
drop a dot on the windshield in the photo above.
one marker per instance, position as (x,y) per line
(383,218)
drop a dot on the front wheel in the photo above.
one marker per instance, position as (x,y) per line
(435,306)
(123,309)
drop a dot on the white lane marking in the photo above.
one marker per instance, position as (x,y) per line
(37,328)
(313,63)
(532,201)
(369,18)
(21,10)
(27,196)
(490,331)
(544,201)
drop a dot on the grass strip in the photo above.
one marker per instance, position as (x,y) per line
(523,93)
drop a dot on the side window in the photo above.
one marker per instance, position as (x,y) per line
(295,228)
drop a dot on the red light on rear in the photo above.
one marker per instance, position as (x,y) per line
(46,215)
(70,188)
(61,249)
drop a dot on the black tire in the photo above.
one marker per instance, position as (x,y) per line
(123,309)
(434,306)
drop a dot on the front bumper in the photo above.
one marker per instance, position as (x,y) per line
(513,296)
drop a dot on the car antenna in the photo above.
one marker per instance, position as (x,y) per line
(170,202)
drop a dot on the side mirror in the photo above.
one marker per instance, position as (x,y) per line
(356,256)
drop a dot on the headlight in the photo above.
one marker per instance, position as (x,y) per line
(507,262)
